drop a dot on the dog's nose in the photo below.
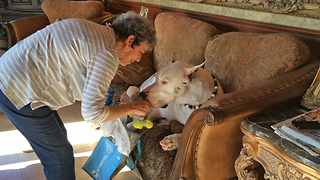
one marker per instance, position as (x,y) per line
(143,95)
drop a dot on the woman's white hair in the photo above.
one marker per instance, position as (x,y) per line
(131,23)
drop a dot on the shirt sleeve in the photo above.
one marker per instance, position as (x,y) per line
(100,71)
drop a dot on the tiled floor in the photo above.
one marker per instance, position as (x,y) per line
(16,165)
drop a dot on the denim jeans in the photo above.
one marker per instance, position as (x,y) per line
(47,136)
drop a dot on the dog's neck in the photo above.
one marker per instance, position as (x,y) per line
(214,93)
(215,90)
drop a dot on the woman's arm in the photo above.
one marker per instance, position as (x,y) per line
(140,108)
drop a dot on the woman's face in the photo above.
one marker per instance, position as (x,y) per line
(130,55)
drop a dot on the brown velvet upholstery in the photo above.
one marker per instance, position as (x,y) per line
(184,37)
(65,9)
(136,73)
(240,60)
(178,37)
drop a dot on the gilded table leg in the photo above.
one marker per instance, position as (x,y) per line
(245,160)
(277,165)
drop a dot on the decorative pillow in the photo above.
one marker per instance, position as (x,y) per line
(240,59)
(136,73)
(64,9)
(182,36)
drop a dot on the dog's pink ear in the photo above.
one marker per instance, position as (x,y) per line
(190,73)
(174,57)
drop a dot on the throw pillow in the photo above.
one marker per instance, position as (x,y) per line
(64,9)
(182,37)
(136,73)
(240,59)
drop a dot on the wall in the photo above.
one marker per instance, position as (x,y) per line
(225,23)
(17,9)
(299,20)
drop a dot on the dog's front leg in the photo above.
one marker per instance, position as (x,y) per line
(170,142)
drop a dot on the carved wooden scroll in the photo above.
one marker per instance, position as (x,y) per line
(277,164)
(277,6)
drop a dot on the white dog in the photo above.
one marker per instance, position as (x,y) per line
(174,92)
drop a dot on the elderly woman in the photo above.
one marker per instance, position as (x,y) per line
(70,60)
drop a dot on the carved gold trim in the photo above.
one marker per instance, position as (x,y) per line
(277,6)
(277,164)
(284,6)
(287,171)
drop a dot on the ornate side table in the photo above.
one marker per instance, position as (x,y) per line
(279,158)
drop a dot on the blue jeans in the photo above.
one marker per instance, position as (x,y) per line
(47,136)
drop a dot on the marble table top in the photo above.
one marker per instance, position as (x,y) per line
(260,125)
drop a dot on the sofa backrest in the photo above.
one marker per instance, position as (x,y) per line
(239,59)
(180,36)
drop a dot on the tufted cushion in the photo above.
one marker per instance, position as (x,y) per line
(240,59)
(64,9)
(136,73)
(180,35)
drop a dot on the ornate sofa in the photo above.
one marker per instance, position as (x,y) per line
(257,71)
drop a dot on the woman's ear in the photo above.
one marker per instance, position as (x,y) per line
(130,40)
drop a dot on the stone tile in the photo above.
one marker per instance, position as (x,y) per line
(37,177)
(16,165)
(32,170)
(11,174)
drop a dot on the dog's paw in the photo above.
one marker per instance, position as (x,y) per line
(163,122)
(170,142)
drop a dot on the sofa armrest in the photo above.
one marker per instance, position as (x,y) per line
(207,151)
(22,28)
(211,139)
(245,102)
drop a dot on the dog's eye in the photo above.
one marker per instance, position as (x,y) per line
(184,82)
(178,88)
(164,82)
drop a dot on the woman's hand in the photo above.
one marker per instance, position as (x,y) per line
(140,108)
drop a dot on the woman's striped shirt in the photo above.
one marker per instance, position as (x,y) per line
(70,60)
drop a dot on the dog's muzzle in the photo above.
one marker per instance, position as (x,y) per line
(143,95)
(164,106)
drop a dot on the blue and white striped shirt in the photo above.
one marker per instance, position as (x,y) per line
(70,60)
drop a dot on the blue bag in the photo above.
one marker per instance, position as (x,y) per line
(112,152)
(137,158)
(103,161)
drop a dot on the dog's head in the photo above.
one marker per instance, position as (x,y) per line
(179,83)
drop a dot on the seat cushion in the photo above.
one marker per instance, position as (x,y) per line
(240,59)
(181,36)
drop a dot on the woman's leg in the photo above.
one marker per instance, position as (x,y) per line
(46,134)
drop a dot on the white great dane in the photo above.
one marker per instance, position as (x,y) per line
(174,92)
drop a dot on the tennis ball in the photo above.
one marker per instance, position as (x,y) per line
(148,124)
(138,124)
